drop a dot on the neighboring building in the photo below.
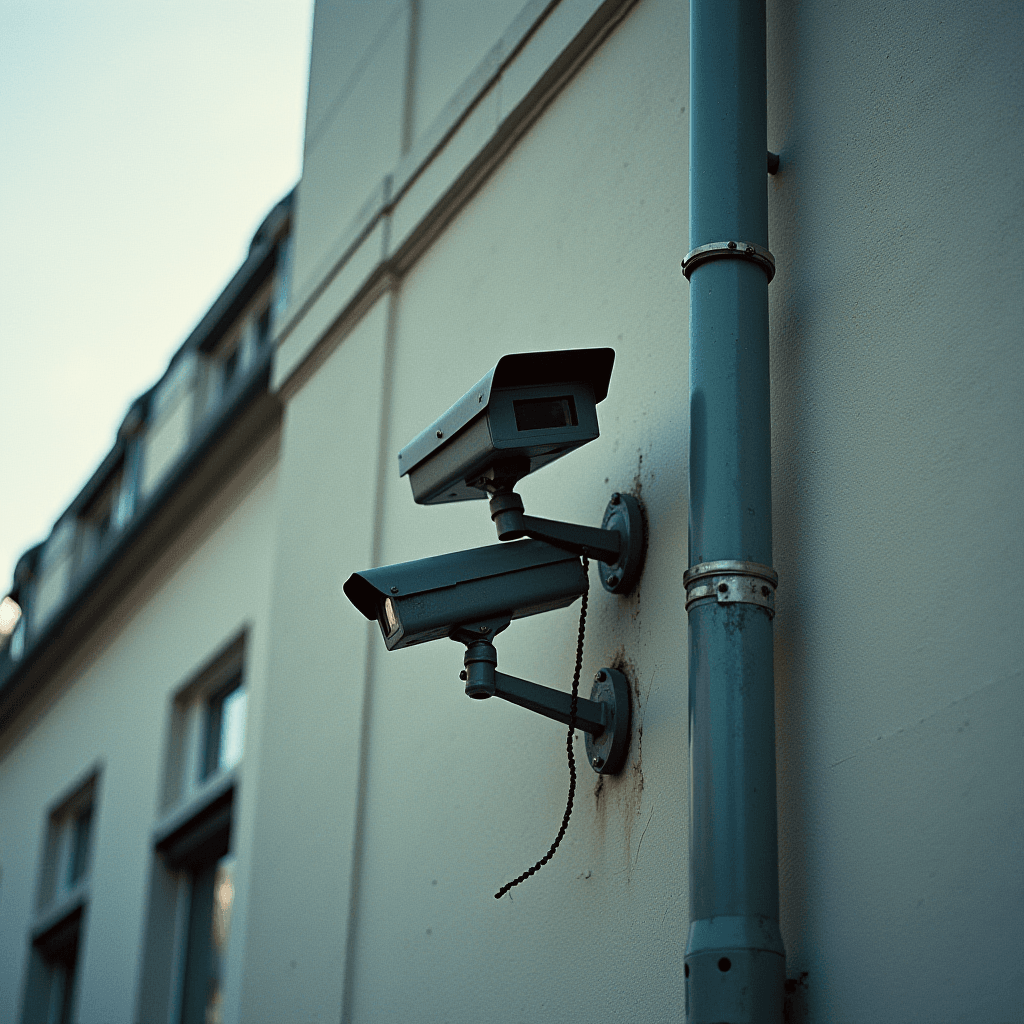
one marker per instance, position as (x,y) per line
(221,799)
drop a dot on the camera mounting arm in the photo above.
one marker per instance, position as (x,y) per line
(618,545)
(604,718)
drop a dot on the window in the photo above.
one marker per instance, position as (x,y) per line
(207,727)
(63,897)
(98,521)
(69,837)
(229,368)
(53,973)
(124,508)
(262,328)
(193,889)
(212,899)
(224,728)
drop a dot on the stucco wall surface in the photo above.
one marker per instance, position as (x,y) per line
(574,242)
(897,375)
(354,118)
(110,711)
(303,839)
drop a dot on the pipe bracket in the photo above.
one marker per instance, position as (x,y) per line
(732,582)
(729,250)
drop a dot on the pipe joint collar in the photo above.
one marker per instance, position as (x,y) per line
(729,250)
(732,582)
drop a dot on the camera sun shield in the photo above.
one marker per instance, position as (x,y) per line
(427,599)
(533,407)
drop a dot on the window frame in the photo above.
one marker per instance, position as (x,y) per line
(62,899)
(189,842)
(186,774)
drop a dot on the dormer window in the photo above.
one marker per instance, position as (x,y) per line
(229,369)
(96,522)
(261,327)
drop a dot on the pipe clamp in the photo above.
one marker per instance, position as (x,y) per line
(722,250)
(732,582)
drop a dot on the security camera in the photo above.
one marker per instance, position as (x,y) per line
(530,409)
(484,588)
(470,596)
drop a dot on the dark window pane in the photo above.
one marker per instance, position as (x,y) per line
(81,827)
(263,327)
(213,897)
(230,367)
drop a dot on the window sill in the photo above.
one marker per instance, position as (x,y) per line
(184,835)
(58,910)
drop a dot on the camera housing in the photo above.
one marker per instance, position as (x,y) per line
(432,598)
(530,409)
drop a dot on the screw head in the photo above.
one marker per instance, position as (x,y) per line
(463,675)
(723,588)
(616,498)
(599,678)
(394,590)
(440,433)
(598,762)
(732,245)
(613,581)
(483,629)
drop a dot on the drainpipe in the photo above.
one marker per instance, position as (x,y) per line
(735,961)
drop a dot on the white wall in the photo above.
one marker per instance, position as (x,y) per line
(896,364)
(574,242)
(353,124)
(897,379)
(111,710)
(303,831)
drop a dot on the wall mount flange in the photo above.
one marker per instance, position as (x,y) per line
(623,515)
(607,751)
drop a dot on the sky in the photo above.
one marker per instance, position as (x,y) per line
(141,145)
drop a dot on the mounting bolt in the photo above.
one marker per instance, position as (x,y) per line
(613,581)
(483,629)
(599,678)
(598,762)
(732,245)
(440,433)
(394,590)
(616,498)
(463,675)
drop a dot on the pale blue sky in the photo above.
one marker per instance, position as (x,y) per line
(141,144)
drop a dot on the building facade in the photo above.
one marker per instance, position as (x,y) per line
(221,798)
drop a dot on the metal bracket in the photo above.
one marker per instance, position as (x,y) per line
(735,250)
(618,545)
(604,718)
(732,582)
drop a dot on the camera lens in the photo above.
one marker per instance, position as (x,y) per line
(391,622)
